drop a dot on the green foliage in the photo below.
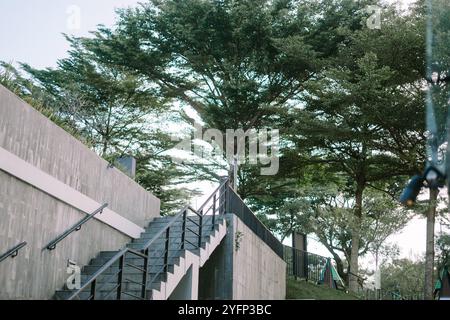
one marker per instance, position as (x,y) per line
(110,107)
(443,251)
(348,100)
(37,97)
(235,62)
(404,276)
(110,111)
(361,124)
(307,290)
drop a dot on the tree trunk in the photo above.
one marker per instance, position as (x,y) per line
(353,274)
(429,252)
(340,268)
(356,230)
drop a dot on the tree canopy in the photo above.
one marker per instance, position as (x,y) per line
(348,101)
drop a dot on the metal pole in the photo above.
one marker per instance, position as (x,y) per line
(429,253)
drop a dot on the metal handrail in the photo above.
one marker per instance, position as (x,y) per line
(179,214)
(144,251)
(260,222)
(108,264)
(13,252)
(239,208)
(224,182)
(170,224)
(77,227)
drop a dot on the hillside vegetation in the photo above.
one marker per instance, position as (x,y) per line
(300,289)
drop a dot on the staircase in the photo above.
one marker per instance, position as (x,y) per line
(152,266)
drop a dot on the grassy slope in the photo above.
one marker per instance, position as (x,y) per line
(299,289)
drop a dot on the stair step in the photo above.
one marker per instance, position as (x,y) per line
(159,251)
(177,235)
(160,243)
(158,223)
(192,217)
(139,262)
(177,228)
(107,254)
(107,280)
(179,223)
(91,269)
(103,295)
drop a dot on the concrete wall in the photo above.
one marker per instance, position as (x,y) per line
(216,276)
(243,268)
(29,214)
(258,272)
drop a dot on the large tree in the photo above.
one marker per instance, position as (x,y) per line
(116,114)
(403,278)
(327,213)
(109,106)
(363,117)
(237,63)
(348,100)
(12,78)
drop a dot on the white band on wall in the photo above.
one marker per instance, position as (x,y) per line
(28,173)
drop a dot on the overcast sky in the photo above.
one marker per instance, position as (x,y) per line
(31,31)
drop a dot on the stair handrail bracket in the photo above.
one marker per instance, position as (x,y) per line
(13,252)
(76,227)
(143,251)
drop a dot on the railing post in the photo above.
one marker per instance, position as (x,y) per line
(223,195)
(183,231)
(166,250)
(294,262)
(120,277)
(144,278)
(316,269)
(214,211)
(227,198)
(221,201)
(305,264)
(200,229)
(93,285)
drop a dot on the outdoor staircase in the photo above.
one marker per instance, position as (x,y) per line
(152,272)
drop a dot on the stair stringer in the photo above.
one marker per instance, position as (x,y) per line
(187,261)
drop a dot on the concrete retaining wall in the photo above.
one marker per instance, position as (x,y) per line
(243,267)
(29,214)
(258,272)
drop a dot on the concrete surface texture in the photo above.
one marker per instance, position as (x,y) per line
(29,214)
(183,282)
(258,272)
(243,267)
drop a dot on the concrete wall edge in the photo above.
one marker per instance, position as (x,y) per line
(31,175)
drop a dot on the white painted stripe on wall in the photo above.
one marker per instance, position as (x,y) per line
(28,173)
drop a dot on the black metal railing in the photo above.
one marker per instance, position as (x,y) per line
(77,227)
(304,265)
(12,252)
(237,206)
(153,259)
